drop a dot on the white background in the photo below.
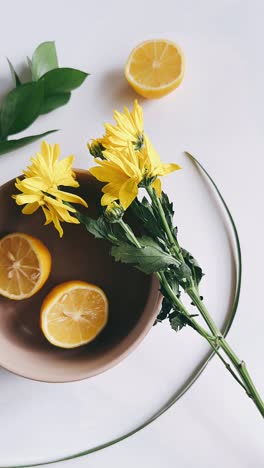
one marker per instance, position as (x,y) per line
(217,114)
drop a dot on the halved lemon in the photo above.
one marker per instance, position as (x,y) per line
(73,314)
(155,68)
(25,264)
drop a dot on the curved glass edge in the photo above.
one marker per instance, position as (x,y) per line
(200,368)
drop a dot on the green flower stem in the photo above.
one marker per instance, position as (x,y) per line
(174,246)
(211,339)
(218,339)
(239,364)
(175,300)
(192,293)
(129,233)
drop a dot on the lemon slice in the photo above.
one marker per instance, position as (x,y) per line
(155,68)
(73,314)
(25,264)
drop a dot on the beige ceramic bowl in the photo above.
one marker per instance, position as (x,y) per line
(133,298)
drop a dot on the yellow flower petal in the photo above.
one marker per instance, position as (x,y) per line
(157,186)
(45,150)
(104,174)
(165,169)
(30,208)
(129,127)
(132,156)
(125,123)
(110,165)
(137,115)
(111,188)
(64,215)
(49,201)
(22,199)
(68,197)
(47,214)
(56,153)
(119,159)
(111,142)
(34,184)
(128,193)
(56,221)
(107,199)
(64,174)
(151,153)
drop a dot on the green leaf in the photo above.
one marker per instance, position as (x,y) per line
(44,59)
(53,102)
(197,272)
(177,321)
(29,61)
(21,107)
(168,209)
(62,80)
(148,215)
(182,275)
(165,310)
(172,279)
(168,309)
(145,215)
(14,74)
(11,145)
(149,259)
(29,65)
(99,228)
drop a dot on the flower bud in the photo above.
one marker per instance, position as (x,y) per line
(114,213)
(96,148)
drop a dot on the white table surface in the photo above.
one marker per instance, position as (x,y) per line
(217,114)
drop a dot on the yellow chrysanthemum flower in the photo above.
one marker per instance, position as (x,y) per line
(128,128)
(41,187)
(124,171)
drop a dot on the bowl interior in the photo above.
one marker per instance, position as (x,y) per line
(132,297)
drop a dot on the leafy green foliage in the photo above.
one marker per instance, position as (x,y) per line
(149,258)
(29,62)
(168,209)
(165,310)
(177,321)
(102,228)
(44,59)
(166,306)
(144,212)
(196,270)
(62,80)
(11,145)
(168,309)
(183,275)
(54,101)
(99,228)
(21,107)
(14,74)
(148,215)
(51,88)
(153,255)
